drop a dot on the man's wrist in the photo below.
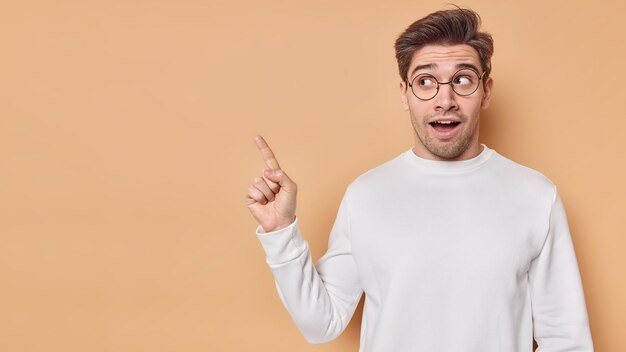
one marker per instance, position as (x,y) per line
(280,226)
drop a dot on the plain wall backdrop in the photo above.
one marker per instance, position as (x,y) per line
(126,148)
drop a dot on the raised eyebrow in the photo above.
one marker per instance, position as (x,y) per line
(423,67)
(470,66)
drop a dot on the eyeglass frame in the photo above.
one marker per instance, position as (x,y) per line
(439,84)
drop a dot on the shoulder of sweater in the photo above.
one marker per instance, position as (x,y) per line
(499,168)
(522,174)
(377,175)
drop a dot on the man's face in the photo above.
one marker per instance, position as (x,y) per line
(446,126)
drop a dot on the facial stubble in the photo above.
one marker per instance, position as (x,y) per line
(449,149)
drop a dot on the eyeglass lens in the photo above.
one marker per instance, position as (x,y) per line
(464,82)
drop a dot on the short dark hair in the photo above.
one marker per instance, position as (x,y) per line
(446,27)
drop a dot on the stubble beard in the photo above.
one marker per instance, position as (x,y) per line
(449,149)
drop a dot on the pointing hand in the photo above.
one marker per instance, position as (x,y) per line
(272,197)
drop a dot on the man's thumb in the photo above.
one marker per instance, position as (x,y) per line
(280,177)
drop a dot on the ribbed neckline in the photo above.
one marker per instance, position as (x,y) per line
(436,166)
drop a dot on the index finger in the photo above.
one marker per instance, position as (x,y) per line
(266,152)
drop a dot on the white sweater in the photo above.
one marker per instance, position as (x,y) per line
(471,255)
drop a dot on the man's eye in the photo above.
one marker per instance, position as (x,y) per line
(426,82)
(462,80)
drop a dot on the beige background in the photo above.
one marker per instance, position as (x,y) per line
(126,147)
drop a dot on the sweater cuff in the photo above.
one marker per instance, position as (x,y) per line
(282,246)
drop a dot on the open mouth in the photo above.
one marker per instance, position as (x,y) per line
(445,129)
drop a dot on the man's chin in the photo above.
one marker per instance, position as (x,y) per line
(448,150)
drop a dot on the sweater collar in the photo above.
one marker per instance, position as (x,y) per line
(438,166)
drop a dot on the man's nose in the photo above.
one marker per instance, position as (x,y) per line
(446,98)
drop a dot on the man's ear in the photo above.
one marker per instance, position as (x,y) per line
(488,87)
(404,99)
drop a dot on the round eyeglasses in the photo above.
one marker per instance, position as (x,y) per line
(464,82)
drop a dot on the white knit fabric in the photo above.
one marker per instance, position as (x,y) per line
(472,255)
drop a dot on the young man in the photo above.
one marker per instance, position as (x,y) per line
(456,247)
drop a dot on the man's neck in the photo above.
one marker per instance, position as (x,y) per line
(471,152)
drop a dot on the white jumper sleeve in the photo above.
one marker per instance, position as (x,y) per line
(558,305)
(321,300)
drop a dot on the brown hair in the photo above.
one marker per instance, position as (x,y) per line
(447,27)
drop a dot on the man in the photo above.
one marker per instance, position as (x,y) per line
(456,247)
